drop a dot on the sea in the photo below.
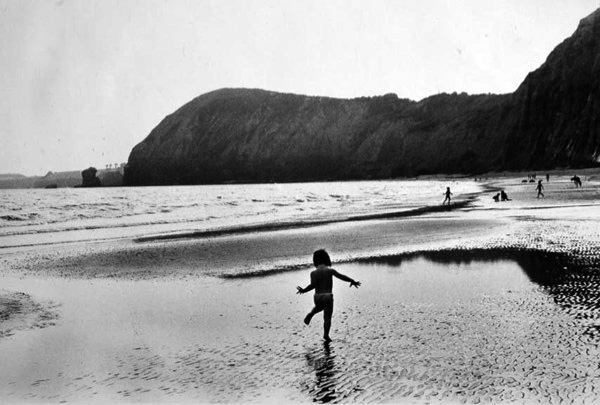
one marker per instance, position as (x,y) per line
(31,217)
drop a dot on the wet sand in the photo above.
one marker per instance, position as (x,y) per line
(18,311)
(504,309)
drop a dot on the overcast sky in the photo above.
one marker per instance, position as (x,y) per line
(83,81)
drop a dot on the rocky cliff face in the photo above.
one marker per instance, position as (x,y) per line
(551,120)
(554,119)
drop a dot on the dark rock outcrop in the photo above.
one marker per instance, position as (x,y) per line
(89,178)
(552,119)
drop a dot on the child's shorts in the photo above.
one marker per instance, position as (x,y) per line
(324,301)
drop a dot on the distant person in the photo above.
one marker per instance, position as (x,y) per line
(321,280)
(539,189)
(547,177)
(504,196)
(496,197)
(575,179)
(447,194)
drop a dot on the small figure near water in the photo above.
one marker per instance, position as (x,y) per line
(539,189)
(447,194)
(547,177)
(501,196)
(575,179)
(321,280)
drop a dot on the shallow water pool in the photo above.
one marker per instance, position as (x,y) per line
(438,327)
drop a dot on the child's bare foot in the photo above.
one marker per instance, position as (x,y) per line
(307,319)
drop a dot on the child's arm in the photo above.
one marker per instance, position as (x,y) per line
(346,278)
(304,290)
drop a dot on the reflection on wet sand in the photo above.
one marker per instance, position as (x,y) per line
(573,282)
(322,360)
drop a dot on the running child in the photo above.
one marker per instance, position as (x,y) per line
(321,280)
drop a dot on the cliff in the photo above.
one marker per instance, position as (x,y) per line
(554,119)
(110,178)
(249,135)
(11,176)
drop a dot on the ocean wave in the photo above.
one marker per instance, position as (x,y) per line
(19,218)
(17,231)
(173,209)
(13,218)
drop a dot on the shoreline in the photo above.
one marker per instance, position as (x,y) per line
(472,223)
(315,205)
(15,240)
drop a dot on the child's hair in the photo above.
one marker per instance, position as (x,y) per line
(321,257)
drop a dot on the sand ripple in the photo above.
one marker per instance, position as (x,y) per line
(514,347)
(536,344)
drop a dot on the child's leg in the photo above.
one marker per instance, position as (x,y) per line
(312,313)
(327,314)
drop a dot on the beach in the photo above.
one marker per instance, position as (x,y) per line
(480,302)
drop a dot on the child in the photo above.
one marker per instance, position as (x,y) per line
(321,280)
(448,194)
(539,189)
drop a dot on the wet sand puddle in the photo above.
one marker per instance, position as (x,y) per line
(470,327)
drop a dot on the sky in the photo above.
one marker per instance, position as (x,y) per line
(83,81)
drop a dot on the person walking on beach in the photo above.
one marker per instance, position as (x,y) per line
(539,189)
(321,280)
(447,194)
